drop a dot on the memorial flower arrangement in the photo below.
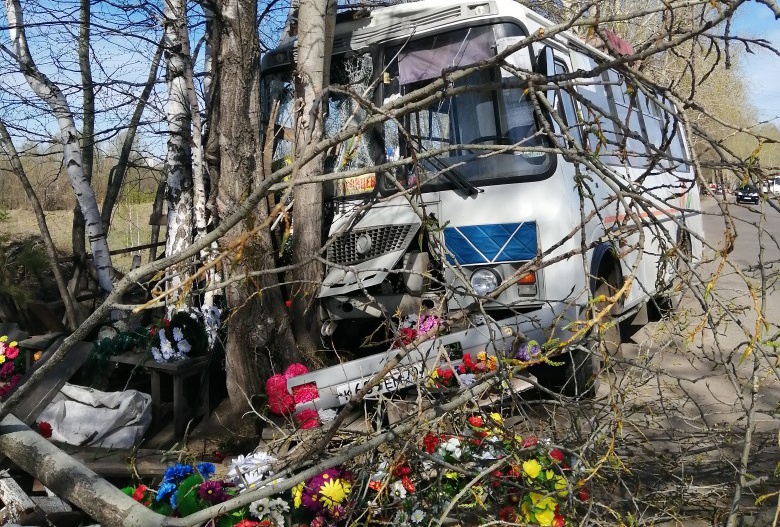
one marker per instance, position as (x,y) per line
(467,372)
(11,365)
(412,326)
(180,337)
(484,474)
(283,402)
(525,480)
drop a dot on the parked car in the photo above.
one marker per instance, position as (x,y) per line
(747,194)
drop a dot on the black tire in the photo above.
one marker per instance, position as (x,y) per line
(582,368)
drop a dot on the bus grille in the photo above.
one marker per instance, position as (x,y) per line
(384,239)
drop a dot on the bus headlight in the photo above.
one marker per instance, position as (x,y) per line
(484,281)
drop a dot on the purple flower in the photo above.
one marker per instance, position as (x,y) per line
(212,492)
(528,350)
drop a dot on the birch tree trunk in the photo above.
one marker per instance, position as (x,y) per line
(316,22)
(51,94)
(259,340)
(178,162)
(88,124)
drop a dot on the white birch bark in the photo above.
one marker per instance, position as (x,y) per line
(179,156)
(69,137)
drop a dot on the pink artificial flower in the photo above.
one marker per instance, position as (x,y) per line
(305,393)
(12,352)
(308,418)
(280,401)
(295,369)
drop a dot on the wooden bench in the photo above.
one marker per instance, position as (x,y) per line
(179,371)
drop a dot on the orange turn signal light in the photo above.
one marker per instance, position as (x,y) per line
(527,279)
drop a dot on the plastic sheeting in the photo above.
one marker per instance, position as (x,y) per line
(83,416)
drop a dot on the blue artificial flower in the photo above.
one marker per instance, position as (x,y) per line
(206,469)
(177,473)
(173,500)
(166,489)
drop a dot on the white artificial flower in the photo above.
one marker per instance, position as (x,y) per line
(260,508)
(451,447)
(417,516)
(178,334)
(156,355)
(397,489)
(166,349)
(279,505)
(246,471)
(327,415)
(184,347)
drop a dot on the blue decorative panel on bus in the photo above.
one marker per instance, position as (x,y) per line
(490,244)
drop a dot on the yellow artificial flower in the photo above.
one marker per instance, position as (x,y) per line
(532,468)
(2,359)
(297,493)
(561,486)
(496,417)
(13,344)
(548,474)
(545,517)
(451,475)
(3,338)
(334,491)
(482,356)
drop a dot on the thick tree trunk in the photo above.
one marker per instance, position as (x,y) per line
(259,336)
(178,162)
(88,126)
(69,137)
(316,20)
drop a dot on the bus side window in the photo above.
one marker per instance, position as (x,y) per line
(597,117)
(567,109)
(624,106)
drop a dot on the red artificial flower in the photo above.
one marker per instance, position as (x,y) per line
(530,441)
(431,442)
(408,485)
(152,331)
(218,456)
(247,523)
(44,429)
(583,494)
(515,471)
(401,470)
(558,521)
(138,495)
(375,485)
(308,418)
(508,515)
(447,374)
(476,421)
(295,369)
(406,335)
(288,304)
(557,455)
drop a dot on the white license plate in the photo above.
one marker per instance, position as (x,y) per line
(394,380)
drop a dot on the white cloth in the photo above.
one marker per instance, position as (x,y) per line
(83,416)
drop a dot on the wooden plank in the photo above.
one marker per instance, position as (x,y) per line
(124,462)
(13,496)
(42,312)
(29,409)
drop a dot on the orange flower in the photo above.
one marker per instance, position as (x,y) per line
(407,483)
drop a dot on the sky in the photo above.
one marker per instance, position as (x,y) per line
(762,68)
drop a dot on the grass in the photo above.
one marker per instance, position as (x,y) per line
(129,227)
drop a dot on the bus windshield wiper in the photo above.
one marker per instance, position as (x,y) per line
(456,178)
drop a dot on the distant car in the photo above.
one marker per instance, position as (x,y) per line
(747,194)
